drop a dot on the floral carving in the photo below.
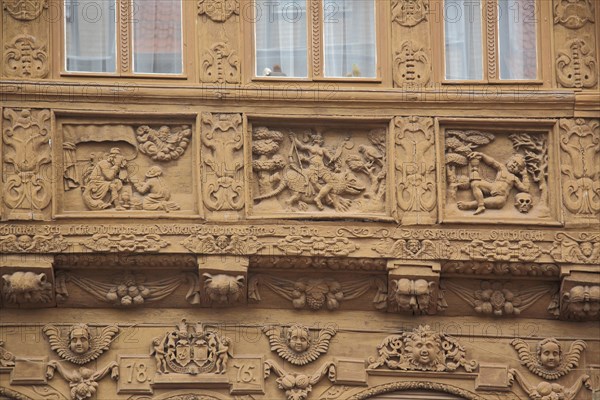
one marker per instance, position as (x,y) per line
(576,66)
(409,12)
(500,269)
(547,390)
(82,381)
(223,289)
(317,175)
(411,64)
(416,296)
(502,250)
(33,243)
(26,288)
(165,143)
(318,293)
(25,57)
(219,10)
(497,298)
(26,155)
(422,350)
(548,360)
(413,249)
(582,249)
(223,244)
(573,13)
(222,154)
(129,289)
(79,346)
(416,191)
(125,242)
(581,303)
(7,359)
(191,349)
(25,10)
(296,345)
(580,141)
(297,386)
(316,246)
(220,64)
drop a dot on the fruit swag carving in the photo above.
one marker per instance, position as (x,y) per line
(492,182)
(316,293)
(26,288)
(191,350)
(26,162)
(317,176)
(548,360)
(297,386)
(79,346)
(296,345)
(82,381)
(547,390)
(422,350)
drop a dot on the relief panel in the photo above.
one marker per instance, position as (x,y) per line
(490,173)
(123,168)
(323,171)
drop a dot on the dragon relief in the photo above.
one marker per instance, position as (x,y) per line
(548,360)
(296,345)
(80,346)
(344,178)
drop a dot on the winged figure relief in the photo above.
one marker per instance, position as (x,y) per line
(296,345)
(79,346)
(548,359)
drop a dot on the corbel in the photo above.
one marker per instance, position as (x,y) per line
(579,293)
(414,287)
(27,281)
(223,280)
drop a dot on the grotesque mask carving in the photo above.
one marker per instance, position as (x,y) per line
(523,202)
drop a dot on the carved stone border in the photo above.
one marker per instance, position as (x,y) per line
(415,385)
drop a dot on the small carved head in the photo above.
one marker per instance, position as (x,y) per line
(413,245)
(523,202)
(25,242)
(516,163)
(587,248)
(549,353)
(154,172)
(424,347)
(79,338)
(298,338)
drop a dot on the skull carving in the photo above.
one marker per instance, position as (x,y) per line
(523,202)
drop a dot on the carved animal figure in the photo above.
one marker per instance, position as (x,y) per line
(26,287)
(223,289)
(336,185)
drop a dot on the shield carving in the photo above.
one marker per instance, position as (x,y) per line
(200,351)
(183,353)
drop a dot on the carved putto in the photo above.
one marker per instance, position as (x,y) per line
(342,178)
(297,386)
(165,143)
(548,360)
(573,13)
(25,10)
(584,248)
(80,346)
(223,289)
(422,350)
(409,12)
(26,288)
(83,381)
(296,345)
(25,57)
(191,350)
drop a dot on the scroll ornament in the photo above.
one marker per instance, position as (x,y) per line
(80,346)
(318,293)
(296,345)
(548,360)
(7,359)
(422,350)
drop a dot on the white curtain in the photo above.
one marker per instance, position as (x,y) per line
(349,38)
(462,22)
(90,35)
(280,32)
(157,36)
(516,26)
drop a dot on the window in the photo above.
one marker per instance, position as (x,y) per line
(490,41)
(315,39)
(146,34)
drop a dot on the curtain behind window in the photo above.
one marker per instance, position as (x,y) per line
(462,24)
(517,35)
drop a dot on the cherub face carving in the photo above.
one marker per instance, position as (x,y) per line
(298,339)
(549,353)
(79,339)
(424,351)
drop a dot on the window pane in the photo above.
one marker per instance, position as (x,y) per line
(516,26)
(462,21)
(157,36)
(90,35)
(280,32)
(349,31)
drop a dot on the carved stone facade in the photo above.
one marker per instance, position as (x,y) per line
(219,235)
